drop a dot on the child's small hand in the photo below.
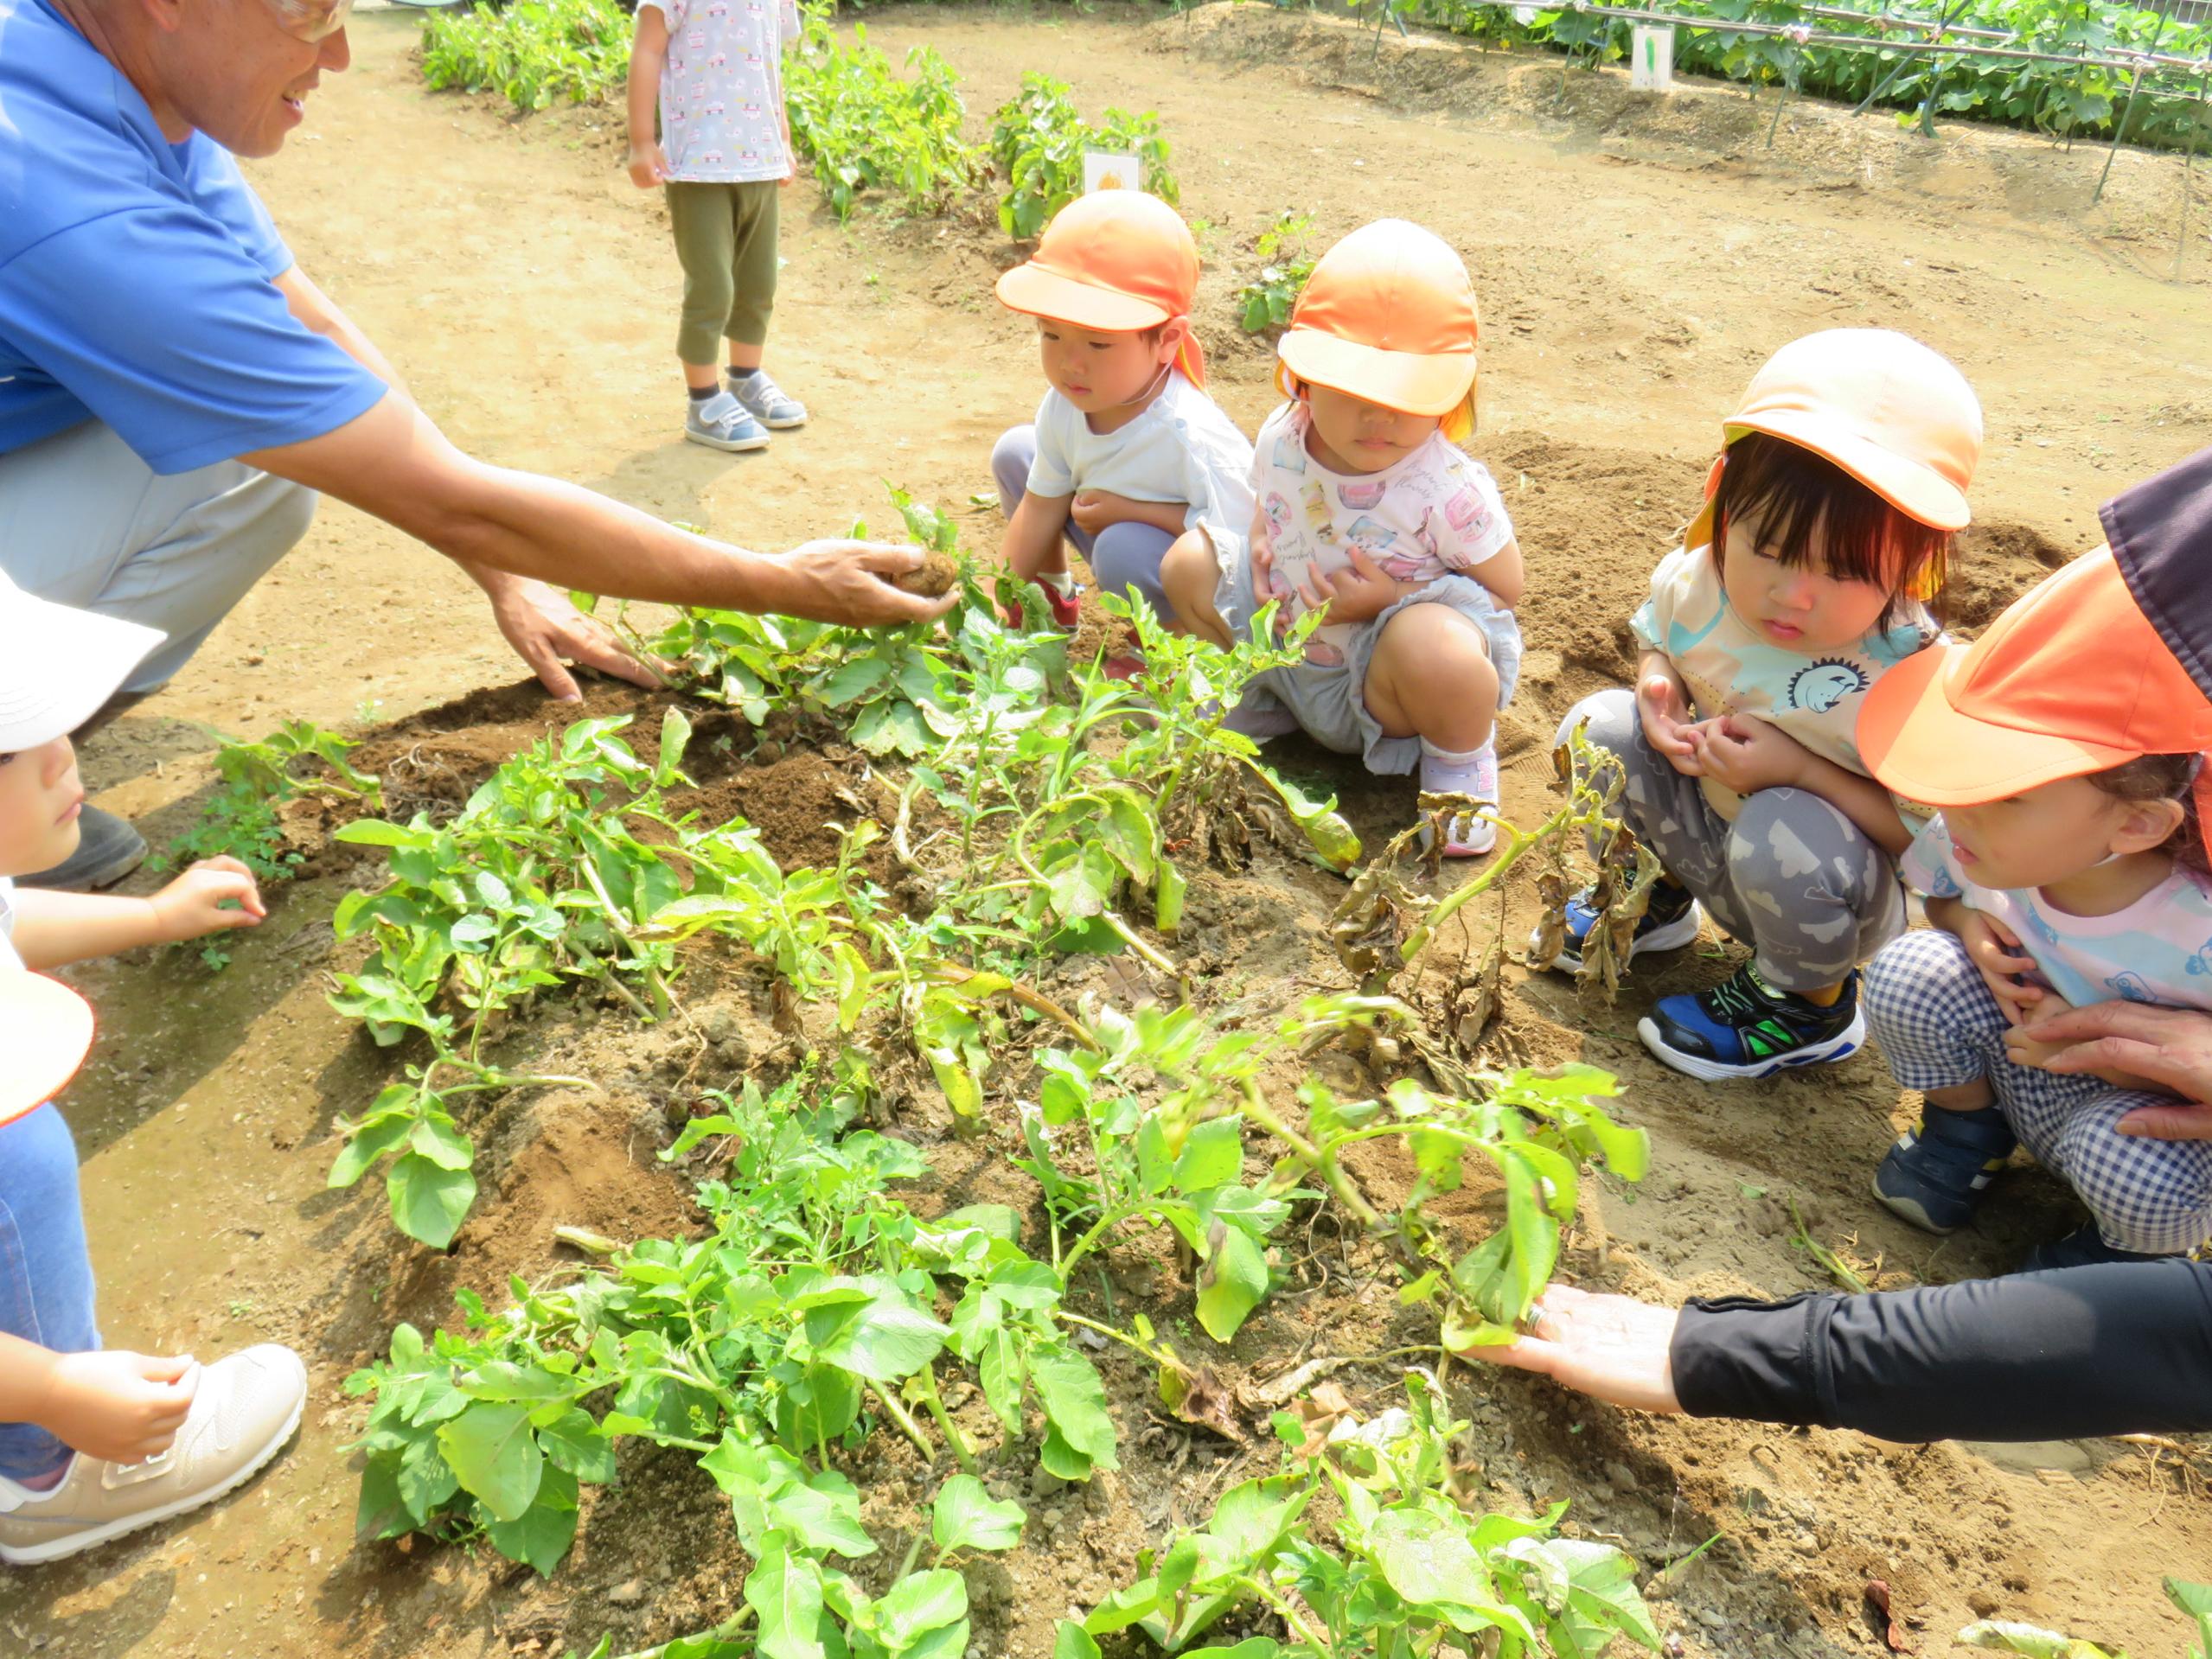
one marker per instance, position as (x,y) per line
(2021,1046)
(649,165)
(116,1407)
(1357,594)
(1093,510)
(195,902)
(1746,754)
(1664,708)
(1995,950)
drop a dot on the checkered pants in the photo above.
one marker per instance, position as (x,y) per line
(1937,1024)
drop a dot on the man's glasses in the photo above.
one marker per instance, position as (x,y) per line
(312,21)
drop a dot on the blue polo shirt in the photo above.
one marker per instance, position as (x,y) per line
(135,274)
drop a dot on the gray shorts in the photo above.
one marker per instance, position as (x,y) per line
(1329,704)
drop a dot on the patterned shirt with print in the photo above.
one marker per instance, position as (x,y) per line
(722,89)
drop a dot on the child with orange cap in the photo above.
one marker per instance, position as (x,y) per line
(2068,866)
(1801,583)
(94,1443)
(1366,504)
(1128,451)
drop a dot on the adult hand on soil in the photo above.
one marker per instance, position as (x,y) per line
(1611,1348)
(849,582)
(116,1406)
(2167,1048)
(213,894)
(1995,949)
(544,629)
(1663,705)
(1746,754)
(1357,594)
(648,166)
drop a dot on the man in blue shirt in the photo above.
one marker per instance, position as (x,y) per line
(175,390)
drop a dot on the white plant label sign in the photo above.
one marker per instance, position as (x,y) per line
(1651,57)
(1102,170)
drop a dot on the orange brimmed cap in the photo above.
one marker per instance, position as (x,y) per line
(46,1029)
(1389,316)
(1117,261)
(2072,678)
(1892,413)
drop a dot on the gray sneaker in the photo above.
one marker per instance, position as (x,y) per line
(767,402)
(722,423)
(108,849)
(243,1411)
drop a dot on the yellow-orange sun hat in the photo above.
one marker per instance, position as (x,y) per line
(46,1030)
(1388,316)
(1115,261)
(2072,678)
(1896,415)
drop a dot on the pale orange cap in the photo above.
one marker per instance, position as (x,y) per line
(1116,261)
(2072,678)
(1892,413)
(46,1030)
(1388,316)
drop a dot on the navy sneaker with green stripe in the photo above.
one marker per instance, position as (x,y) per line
(1744,1027)
(1936,1173)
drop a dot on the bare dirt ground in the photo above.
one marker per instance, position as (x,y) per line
(1635,257)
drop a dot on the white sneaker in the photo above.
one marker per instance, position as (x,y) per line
(722,423)
(1465,836)
(767,402)
(244,1409)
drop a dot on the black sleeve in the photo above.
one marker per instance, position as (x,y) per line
(2119,1348)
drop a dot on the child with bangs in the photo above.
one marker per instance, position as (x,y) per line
(1806,578)
(1366,505)
(1128,451)
(2068,866)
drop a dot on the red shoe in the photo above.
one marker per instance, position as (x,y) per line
(1067,607)
(1127,666)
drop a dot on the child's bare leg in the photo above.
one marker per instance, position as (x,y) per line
(1188,574)
(702,377)
(744,359)
(1963,1097)
(1431,678)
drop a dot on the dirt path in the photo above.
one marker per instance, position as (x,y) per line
(1635,263)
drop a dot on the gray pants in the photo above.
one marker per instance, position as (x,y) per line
(1810,892)
(85,522)
(1125,558)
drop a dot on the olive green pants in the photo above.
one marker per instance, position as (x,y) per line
(725,240)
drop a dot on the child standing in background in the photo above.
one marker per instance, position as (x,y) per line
(1366,504)
(714,70)
(1128,450)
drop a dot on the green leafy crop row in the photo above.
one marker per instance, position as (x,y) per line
(533,53)
(2064,100)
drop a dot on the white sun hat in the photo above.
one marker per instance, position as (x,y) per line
(58,665)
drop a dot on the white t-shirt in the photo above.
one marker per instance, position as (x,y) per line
(9,959)
(1179,448)
(1730,669)
(722,89)
(2158,949)
(1434,513)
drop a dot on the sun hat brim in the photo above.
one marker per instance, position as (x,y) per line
(1915,741)
(58,665)
(46,1030)
(1035,292)
(1917,490)
(1414,383)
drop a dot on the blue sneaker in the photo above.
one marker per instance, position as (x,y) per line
(1670,920)
(1936,1173)
(767,402)
(2083,1247)
(722,423)
(1745,1028)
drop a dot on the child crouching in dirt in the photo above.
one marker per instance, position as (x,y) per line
(2070,866)
(1128,450)
(714,71)
(1366,505)
(93,1444)
(1804,580)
